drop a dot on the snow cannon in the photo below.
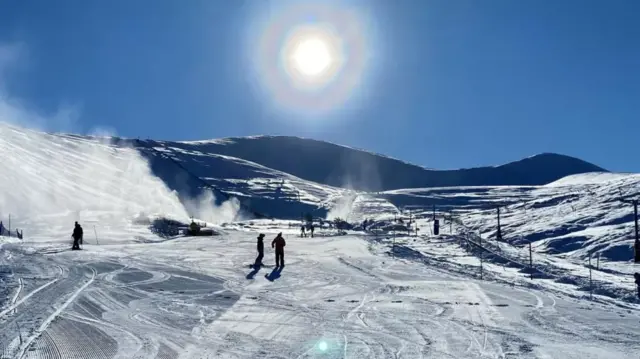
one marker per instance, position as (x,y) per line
(197,229)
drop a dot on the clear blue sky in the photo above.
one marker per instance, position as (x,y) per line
(450,83)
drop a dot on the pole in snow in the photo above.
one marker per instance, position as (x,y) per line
(636,246)
(530,261)
(481,260)
(590,280)
(393,248)
(499,234)
(637,242)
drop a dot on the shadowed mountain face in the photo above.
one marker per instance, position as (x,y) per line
(340,166)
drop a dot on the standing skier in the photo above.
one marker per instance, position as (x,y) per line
(302,232)
(258,262)
(279,243)
(311,228)
(77,236)
(637,277)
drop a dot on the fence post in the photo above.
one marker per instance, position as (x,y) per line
(590,280)
(96,233)
(598,262)
(393,248)
(481,260)
(530,261)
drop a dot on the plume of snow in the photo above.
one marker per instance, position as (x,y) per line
(50,180)
(203,207)
(343,207)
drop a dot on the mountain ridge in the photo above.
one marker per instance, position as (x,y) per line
(358,169)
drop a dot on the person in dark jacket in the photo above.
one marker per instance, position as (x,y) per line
(637,277)
(258,262)
(77,236)
(279,243)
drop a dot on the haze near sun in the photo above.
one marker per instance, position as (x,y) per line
(310,57)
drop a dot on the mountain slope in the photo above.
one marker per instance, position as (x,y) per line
(261,190)
(574,217)
(353,294)
(49,181)
(341,166)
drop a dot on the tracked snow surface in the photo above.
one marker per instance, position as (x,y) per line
(381,293)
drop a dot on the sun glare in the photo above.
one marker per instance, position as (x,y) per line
(311,56)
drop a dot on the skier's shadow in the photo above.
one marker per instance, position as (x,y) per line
(253,273)
(275,274)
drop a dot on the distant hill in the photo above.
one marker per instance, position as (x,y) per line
(341,166)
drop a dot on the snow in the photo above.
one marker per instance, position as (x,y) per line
(342,294)
(49,181)
(340,166)
(190,298)
(592,178)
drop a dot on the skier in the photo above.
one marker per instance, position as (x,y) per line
(311,228)
(637,276)
(258,262)
(302,233)
(279,243)
(77,236)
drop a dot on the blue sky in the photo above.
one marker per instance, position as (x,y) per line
(448,83)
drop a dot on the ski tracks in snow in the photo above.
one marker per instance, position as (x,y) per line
(333,299)
(15,304)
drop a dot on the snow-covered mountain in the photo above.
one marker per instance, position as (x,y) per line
(285,177)
(387,291)
(273,177)
(340,166)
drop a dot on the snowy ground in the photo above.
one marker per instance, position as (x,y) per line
(132,294)
(337,296)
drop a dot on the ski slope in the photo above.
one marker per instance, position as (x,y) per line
(337,296)
(343,294)
(49,181)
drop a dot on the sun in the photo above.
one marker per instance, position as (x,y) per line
(311,57)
